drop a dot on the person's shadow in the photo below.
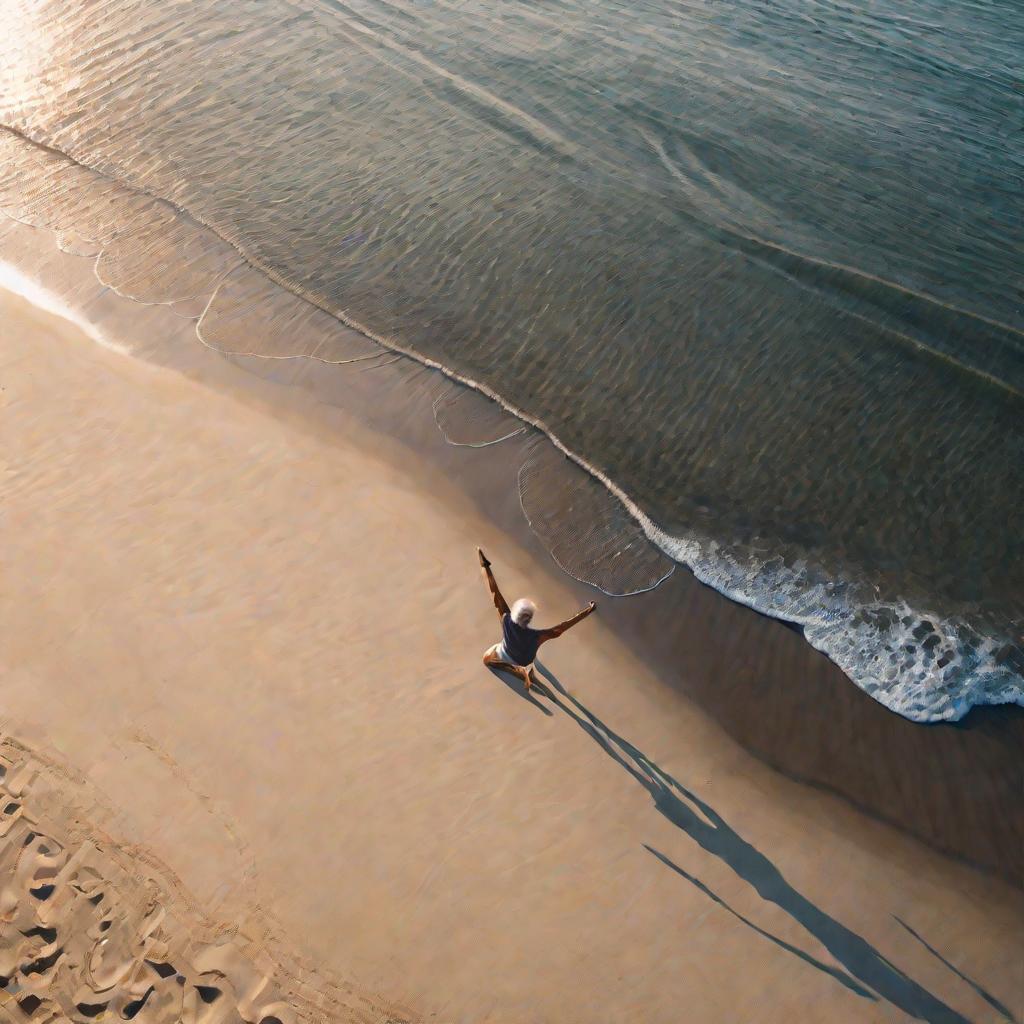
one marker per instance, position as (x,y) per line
(518,687)
(865,971)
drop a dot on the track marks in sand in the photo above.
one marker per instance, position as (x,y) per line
(94,929)
(246,858)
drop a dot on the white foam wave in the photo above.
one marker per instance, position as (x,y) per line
(922,665)
(13,280)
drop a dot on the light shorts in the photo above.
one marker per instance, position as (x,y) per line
(502,655)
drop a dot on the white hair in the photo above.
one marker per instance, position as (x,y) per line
(523,611)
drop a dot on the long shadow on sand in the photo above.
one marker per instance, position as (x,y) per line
(982,992)
(867,971)
(518,687)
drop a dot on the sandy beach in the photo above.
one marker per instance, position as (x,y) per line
(243,695)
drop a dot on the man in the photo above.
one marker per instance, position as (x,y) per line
(519,642)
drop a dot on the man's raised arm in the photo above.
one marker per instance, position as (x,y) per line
(492,585)
(554,631)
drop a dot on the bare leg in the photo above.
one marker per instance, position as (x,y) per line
(491,660)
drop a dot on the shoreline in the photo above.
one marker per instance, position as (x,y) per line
(952,785)
(680,552)
(411,820)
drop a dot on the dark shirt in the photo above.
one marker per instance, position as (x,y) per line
(520,642)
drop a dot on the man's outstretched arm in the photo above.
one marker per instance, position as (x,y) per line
(492,585)
(554,631)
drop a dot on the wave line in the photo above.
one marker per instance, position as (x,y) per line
(865,275)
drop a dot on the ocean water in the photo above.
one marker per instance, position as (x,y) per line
(757,268)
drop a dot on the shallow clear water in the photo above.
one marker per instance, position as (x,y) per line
(758,265)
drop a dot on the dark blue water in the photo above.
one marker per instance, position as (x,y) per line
(759,265)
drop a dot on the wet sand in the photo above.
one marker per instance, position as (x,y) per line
(244,650)
(956,786)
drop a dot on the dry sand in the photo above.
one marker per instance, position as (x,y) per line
(240,670)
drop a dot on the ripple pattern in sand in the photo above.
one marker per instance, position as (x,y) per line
(92,929)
